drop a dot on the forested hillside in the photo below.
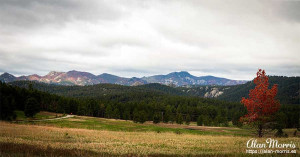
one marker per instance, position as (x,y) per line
(288,90)
(141,103)
(99,90)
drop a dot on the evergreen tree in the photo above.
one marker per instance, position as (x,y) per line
(61,105)
(218,120)
(172,118)
(81,108)
(101,109)
(236,119)
(136,116)
(116,113)
(30,87)
(200,120)
(168,114)
(7,109)
(207,121)
(143,116)
(156,118)
(188,119)
(179,118)
(31,107)
(108,111)
(280,123)
(73,106)
(126,114)
(139,116)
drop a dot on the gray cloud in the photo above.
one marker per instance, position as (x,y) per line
(31,14)
(290,10)
(137,38)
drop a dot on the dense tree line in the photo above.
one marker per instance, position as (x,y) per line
(141,106)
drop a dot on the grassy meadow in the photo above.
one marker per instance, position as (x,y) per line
(89,136)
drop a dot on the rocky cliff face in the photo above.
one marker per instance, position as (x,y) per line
(206,91)
(213,93)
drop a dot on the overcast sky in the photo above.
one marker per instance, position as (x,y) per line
(223,38)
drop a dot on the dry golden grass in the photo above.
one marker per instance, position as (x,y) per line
(90,142)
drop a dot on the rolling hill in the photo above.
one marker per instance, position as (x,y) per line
(100,90)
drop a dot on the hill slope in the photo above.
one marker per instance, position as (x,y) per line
(100,90)
(288,90)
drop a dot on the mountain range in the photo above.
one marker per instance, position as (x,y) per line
(73,77)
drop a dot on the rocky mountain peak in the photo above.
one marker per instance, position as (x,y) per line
(54,73)
(180,74)
(7,75)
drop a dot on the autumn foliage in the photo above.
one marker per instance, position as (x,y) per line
(261,104)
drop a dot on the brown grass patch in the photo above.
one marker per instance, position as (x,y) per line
(52,141)
(27,150)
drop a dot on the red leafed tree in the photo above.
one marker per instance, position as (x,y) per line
(261,104)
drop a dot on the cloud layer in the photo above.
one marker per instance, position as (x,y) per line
(139,38)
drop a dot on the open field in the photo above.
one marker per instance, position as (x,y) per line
(89,136)
(93,123)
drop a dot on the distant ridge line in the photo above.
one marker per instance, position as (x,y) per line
(73,77)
